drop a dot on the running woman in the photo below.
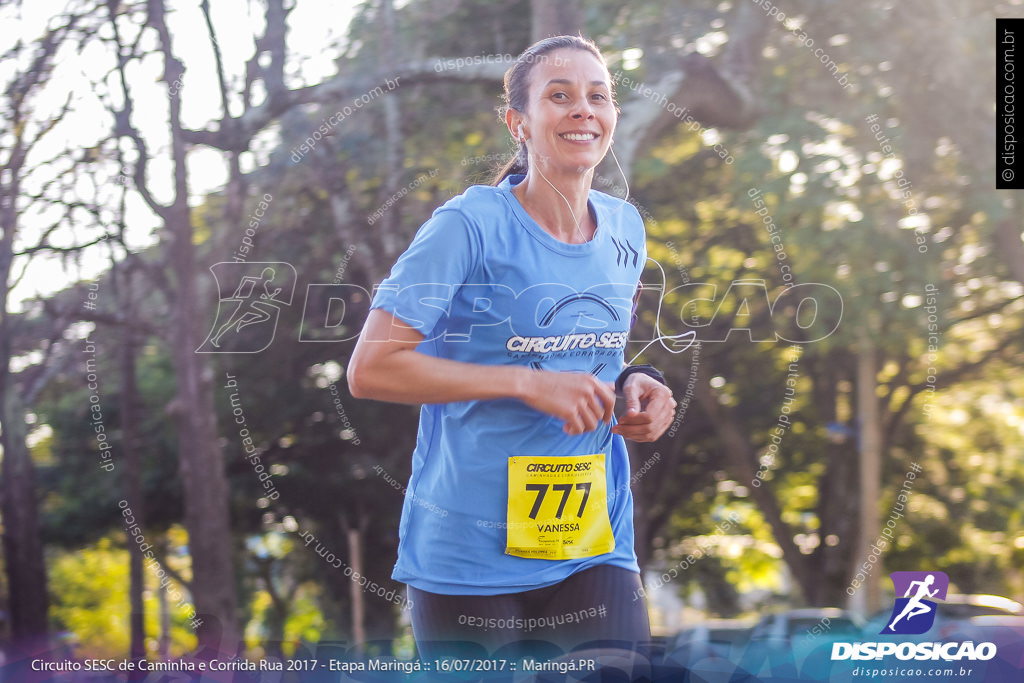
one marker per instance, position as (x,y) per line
(507,318)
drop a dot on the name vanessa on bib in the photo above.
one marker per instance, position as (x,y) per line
(557,507)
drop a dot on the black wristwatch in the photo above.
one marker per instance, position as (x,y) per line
(648,370)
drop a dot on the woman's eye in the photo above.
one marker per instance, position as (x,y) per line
(601,97)
(559,96)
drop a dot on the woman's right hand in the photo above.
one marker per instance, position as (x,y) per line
(581,400)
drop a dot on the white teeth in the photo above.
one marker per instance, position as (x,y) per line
(579,136)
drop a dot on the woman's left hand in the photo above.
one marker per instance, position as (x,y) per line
(649,409)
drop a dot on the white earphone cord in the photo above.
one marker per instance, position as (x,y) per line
(664,278)
(572,213)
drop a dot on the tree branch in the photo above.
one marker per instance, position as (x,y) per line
(338,89)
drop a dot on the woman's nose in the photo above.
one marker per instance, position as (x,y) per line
(583,111)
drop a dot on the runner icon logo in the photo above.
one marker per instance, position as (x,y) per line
(914,613)
(250,295)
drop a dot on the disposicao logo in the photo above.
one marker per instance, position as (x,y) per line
(914,614)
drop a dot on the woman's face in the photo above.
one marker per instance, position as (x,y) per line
(570,115)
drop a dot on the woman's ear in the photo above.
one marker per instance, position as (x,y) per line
(514,120)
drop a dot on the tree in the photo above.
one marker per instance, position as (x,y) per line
(27,184)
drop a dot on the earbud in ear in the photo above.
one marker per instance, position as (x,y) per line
(522,135)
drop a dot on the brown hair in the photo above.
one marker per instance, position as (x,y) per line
(517,84)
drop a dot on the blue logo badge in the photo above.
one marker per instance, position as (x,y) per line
(914,613)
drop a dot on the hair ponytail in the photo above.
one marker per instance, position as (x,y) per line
(517,165)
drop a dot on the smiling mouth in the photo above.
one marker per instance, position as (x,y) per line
(579,137)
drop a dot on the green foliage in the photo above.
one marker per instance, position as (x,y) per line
(844,215)
(305,623)
(89,592)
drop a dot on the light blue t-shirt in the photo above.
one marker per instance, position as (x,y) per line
(484,283)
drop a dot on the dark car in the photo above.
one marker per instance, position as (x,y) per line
(712,638)
(829,623)
(797,640)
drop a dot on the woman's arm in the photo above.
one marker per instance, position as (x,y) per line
(386,366)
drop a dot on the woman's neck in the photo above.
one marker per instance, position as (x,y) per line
(559,205)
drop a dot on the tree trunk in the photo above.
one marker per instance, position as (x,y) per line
(355,555)
(1011,249)
(200,459)
(868,599)
(743,464)
(130,458)
(164,643)
(277,614)
(387,232)
(555,18)
(23,547)
(837,512)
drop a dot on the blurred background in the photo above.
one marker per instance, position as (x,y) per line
(818,187)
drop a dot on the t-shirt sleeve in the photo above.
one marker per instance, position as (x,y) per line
(423,281)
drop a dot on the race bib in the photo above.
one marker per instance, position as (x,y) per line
(557,507)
